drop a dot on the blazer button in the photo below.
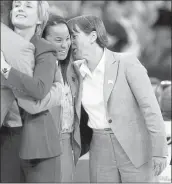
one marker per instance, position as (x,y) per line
(110,121)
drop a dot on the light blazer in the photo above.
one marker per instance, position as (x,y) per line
(19,53)
(131,108)
(40,138)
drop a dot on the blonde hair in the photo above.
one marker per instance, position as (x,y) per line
(43,15)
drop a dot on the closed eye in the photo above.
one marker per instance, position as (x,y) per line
(58,40)
(17,4)
(74,36)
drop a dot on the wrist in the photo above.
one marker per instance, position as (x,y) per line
(5,71)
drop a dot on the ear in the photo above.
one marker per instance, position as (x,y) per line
(93,36)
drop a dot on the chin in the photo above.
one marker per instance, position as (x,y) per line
(19,25)
(61,58)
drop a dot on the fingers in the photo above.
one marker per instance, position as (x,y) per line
(2,55)
(158,167)
(79,62)
(163,166)
(156,170)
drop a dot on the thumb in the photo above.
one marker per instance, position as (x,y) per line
(79,62)
(153,163)
(2,55)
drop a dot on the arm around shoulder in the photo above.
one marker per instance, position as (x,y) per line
(43,76)
(53,98)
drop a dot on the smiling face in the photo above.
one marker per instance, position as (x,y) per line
(24,14)
(81,44)
(59,36)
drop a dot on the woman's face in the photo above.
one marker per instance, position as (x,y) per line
(59,36)
(24,14)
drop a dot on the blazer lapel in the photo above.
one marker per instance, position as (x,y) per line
(110,76)
(72,79)
(75,87)
(79,91)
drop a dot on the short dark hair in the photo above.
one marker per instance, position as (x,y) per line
(53,21)
(89,23)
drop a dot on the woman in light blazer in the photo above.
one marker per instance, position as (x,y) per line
(40,142)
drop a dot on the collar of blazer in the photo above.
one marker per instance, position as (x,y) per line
(110,76)
(78,87)
(72,79)
(111,72)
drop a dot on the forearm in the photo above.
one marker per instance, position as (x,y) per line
(53,98)
(38,85)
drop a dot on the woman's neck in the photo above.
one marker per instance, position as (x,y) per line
(25,33)
(94,59)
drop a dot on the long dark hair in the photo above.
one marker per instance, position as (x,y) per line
(53,21)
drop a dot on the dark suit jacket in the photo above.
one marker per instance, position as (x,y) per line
(40,138)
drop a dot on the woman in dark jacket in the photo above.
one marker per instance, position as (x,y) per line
(57,32)
(40,145)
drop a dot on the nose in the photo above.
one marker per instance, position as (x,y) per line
(21,8)
(64,44)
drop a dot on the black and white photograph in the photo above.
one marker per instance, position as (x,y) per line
(85,91)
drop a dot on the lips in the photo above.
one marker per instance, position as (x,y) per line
(62,52)
(20,15)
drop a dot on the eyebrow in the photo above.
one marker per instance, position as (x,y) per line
(17,2)
(20,2)
(74,32)
(29,2)
(61,37)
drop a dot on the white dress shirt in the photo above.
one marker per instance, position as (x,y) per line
(92,95)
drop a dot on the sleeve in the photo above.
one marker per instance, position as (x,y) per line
(141,87)
(53,98)
(43,76)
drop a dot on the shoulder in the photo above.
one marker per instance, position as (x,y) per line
(127,59)
(42,46)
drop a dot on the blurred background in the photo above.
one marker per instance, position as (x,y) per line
(141,27)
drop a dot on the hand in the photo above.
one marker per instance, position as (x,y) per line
(4,64)
(5,67)
(159,164)
(78,63)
